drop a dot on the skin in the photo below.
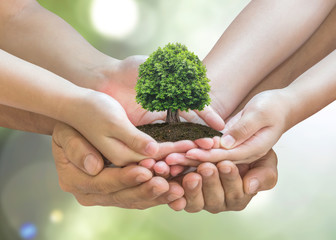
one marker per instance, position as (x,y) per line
(253,46)
(324,10)
(90,69)
(314,50)
(130,187)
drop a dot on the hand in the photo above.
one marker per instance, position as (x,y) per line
(103,121)
(80,171)
(120,84)
(226,186)
(251,133)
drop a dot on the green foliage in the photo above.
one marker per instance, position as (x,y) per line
(173,78)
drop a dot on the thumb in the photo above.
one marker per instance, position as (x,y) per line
(239,129)
(263,174)
(77,149)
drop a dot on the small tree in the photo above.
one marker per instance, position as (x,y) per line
(172,79)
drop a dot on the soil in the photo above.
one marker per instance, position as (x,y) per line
(173,132)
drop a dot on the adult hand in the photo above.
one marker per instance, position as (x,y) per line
(226,186)
(80,171)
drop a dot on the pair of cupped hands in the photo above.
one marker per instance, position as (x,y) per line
(149,172)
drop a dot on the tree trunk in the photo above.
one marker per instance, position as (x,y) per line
(172,116)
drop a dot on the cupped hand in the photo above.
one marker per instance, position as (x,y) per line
(226,186)
(252,132)
(120,84)
(80,171)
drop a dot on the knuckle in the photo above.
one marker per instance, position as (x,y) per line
(273,179)
(214,209)
(193,209)
(238,207)
(235,197)
(242,130)
(65,187)
(84,202)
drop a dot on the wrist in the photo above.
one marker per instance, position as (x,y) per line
(98,74)
(289,107)
(71,105)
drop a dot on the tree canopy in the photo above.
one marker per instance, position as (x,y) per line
(173,78)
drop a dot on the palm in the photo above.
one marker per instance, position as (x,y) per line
(122,88)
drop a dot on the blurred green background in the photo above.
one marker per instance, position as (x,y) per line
(300,207)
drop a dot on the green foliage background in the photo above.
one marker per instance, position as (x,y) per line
(300,207)
(173,78)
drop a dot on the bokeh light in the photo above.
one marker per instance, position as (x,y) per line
(56,216)
(114,18)
(28,231)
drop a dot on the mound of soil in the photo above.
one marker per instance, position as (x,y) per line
(173,132)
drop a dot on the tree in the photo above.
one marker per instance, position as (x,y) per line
(173,79)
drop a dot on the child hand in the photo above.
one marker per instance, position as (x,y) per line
(250,134)
(121,86)
(103,121)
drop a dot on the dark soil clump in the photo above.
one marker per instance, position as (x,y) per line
(173,132)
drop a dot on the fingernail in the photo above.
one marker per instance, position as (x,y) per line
(225,170)
(141,178)
(90,163)
(254,184)
(207,172)
(151,148)
(192,184)
(227,141)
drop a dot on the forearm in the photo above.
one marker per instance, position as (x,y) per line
(31,88)
(312,91)
(40,37)
(263,35)
(321,43)
(25,121)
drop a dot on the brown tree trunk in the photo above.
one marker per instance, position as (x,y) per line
(172,116)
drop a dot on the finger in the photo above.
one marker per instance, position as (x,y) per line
(248,124)
(232,183)
(213,192)
(107,181)
(205,143)
(191,116)
(263,174)
(178,205)
(174,147)
(140,197)
(216,140)
(148,163)
(77,149)
(161,169)
(176,170)
(192,184)
(128,155)
(180,159)
(135,139)
(211,118)
(254,148)
(174,193)
(212,155)
(247,152)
